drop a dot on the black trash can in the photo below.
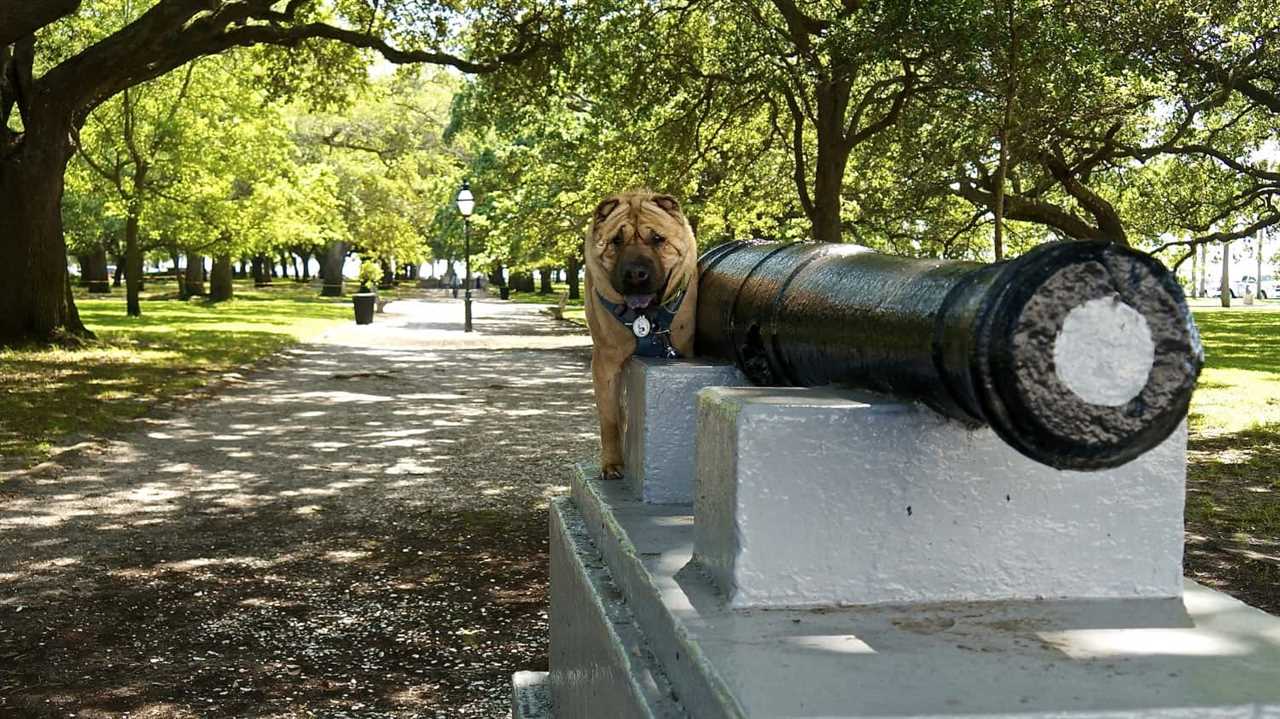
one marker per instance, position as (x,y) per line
(364,302)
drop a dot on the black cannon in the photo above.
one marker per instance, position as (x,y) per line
(1080,355)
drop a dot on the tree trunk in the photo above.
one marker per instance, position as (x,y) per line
(220,286)
(334,255)
(1257,278)
(98,278)
(133,266)
(1204,268)
(388,279)
(195,274)
(35,301)
(544,281)
(831,98)
(572,272)
(1225,288)
(83,261)
(826,194)
(1195,255)
(244,269)
(306,265)
(262,268)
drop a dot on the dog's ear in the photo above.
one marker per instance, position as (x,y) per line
(668,203)
(604,209)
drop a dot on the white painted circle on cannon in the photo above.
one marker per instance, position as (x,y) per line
(1104,352)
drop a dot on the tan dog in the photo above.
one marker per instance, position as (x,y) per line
(642,289)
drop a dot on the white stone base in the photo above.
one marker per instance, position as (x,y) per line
(815,497)
(1205,655)
(658,410)
(600,665)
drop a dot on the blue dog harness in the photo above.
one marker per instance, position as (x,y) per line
(651,326)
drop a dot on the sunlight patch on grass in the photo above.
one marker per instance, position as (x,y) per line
(1233,500)
(53,395)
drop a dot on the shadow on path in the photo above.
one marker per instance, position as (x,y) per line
(358,532)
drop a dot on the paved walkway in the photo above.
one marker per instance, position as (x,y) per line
(359,530)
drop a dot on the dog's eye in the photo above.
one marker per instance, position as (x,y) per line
(617,239)
(657,239)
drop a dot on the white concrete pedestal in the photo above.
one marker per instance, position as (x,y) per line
(816,497)
(1202,656)
(861,558)
(659,402)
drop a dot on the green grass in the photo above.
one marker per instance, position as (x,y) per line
(52,395)
(1233,500)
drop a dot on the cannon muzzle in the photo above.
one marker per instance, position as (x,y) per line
(1080,355)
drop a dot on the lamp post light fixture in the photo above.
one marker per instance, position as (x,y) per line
(466,204)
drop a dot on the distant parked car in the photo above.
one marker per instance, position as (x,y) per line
(1270,287)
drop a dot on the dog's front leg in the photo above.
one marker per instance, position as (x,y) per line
(606,372)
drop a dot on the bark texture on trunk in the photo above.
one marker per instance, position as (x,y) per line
(1257,278)
(334,255)
(220,287)
(1225,286)
(195,274)
(1195,256)
(828,178)
(35,302)
(133,267)
(575,292)
(544,281)
(261,272)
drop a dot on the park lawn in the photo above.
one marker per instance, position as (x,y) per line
(1233,478)
(51,396)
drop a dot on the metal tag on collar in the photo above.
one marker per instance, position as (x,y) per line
(641,327)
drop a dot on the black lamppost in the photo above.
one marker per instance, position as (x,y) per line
(466,203)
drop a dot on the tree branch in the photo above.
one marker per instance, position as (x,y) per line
(292,36)
(1020,208)
(797,150)
(1109,225)
(20,18)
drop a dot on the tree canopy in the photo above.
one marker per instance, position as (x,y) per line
(960,129)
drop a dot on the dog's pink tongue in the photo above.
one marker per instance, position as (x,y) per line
(639,302)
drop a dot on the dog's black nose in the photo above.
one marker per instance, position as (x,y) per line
(635,274)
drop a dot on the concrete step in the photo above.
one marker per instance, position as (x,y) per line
(1205,655)
(601,663)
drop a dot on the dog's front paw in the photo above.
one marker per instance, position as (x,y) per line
(611,471)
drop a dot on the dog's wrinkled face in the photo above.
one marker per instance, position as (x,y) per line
(640,240)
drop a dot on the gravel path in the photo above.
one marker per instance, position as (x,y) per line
(358,531)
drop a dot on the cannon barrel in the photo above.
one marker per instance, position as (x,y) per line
(1080,355)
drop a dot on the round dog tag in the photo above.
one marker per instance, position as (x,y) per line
(641,326)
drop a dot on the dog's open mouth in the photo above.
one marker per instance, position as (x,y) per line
(640,302)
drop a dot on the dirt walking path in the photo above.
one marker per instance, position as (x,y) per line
(358,531)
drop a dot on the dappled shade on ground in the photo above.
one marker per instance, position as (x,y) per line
(1233,477)
(52,395)
(361,529)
